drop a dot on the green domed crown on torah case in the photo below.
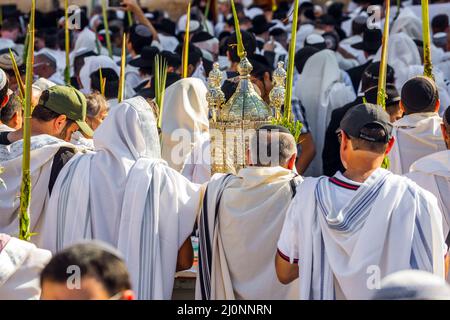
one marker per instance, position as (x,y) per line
(233,121)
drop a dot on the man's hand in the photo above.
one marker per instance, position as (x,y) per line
(269,46)
(130,5)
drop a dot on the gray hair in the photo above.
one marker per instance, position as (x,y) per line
(271,148)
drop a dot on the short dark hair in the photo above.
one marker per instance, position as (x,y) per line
(13,106)
(4,91)
(93,261)
(10,24)
(440,23)
(372,130)
(248,40)
(446,119)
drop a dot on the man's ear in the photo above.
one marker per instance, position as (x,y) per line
(128,295)
(402,107)
(291,162)
(191,70)
(390,145)
(445,135)
(438,104)
(59,123)
(4,101)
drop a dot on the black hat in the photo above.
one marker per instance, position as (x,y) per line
(146,59)
(260,24)
(167,26)
(173,59)
(201,37)
(327,20)
(419,94)
(302,56)
(277,32)
(373,70)
(372,40)
(364,115)
(392,95)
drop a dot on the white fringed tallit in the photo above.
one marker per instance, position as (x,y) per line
(433,174)
(126,196)
(42,150)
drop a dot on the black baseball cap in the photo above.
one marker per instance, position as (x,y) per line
(363,116)
(419,94)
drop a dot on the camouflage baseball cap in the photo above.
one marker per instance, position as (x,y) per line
(68,101)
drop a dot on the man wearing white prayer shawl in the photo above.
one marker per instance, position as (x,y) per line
(184,120)
(432,173)
(321,90)
(418,133)
(60,112)
(20,266)
(241,219)
(126,195)
(339,229)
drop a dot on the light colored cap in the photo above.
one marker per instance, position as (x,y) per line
(412,285)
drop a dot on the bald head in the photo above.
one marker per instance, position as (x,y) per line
(272,146)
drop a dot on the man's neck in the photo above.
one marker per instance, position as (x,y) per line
(36,130)
(359,174)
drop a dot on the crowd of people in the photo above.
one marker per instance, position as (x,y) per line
(357,208)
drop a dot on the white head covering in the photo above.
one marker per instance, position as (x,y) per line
(402,54)
(126,196)
(185,108)
(91,65)
(321,90)
(413,285)
(127,134)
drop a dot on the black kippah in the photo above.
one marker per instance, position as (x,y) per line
(419,94)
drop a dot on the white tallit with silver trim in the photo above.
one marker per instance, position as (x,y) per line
(43,149)
(391,224)
(125,195)
(433,174)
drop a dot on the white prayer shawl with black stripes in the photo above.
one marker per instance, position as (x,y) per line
(240,222)
(391,224)
(128,197)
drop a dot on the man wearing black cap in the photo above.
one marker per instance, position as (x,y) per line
(432,173)
(330,156)
(359,219)
(264,190)
(418,133)
(144,63)
(372,39)
(261,29)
